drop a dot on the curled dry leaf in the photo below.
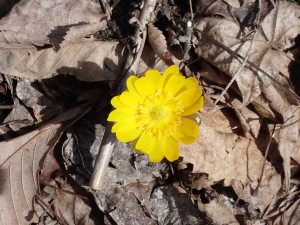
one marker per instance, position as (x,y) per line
(278,32)
(159,44)
(21,159)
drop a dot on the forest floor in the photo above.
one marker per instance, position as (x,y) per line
(62,61)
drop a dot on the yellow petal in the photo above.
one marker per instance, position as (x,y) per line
(172,151)
(153,77)
(173,84)
(128,99)
(188,97)
(189,83)
(157,153)
(170,71)
(188,127)
(123,125)
(183,138)
(128,135)
(187,132)
(195,107)
(145,143)
(115,101)
(121,114)
(144,87)
(131,86)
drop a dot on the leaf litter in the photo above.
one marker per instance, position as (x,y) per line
(230,171)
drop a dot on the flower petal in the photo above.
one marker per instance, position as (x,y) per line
(131,81)
(128,135)
(170,71)
(144,87)
(189,83)
(188,97)
(172,151)
(184,138)
(128,99)
(173,84)
(154,77)
(189,127)
(195,107)
(116,102)
(157,152)
(123,125)
(145,143)
(121,114)
(187,132)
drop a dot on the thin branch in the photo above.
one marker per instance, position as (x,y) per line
(234,77)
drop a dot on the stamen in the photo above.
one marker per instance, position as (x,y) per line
(159,114)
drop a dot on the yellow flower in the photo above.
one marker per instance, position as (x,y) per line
(155,112)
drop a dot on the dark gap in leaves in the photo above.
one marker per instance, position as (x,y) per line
(228,191)
(121,14)
(6,6)
(203,196)
(294,66)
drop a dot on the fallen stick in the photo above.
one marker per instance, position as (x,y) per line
(130,68)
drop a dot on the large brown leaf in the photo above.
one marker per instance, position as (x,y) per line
(278,32)
(64,25)
(20,160)
(41,22)
(88,60)
(225,155)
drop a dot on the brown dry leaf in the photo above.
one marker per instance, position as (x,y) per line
(159,44)
(40,22)
(218,212)
(21,159)
(265,194)
(278,32)
(224,155)
(71,208)
(87,60)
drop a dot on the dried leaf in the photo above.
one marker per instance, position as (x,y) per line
(71,207)
(43,22)
(218,212)
(88,60)
(158,42)
(246,13)
(265,193)
(20,160)
(224,155)
(278,32)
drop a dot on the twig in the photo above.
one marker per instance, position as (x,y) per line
(255,191)
(109,139)
(244,61)
(6,106)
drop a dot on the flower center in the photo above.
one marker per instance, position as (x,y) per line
(159,114)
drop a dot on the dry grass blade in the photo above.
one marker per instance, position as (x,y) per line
(21,159)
